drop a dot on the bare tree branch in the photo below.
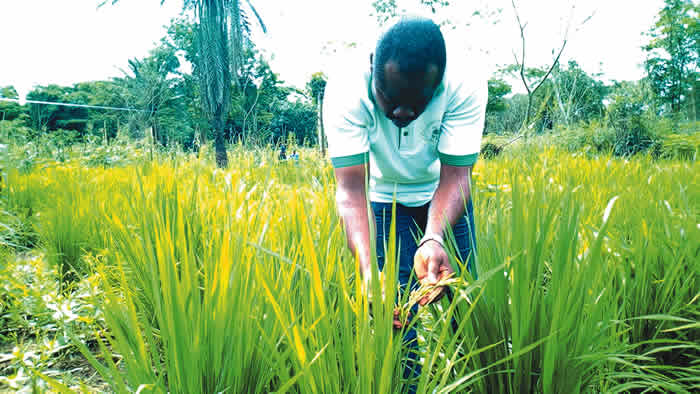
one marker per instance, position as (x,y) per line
(522,37)
(521,63)
(556,61)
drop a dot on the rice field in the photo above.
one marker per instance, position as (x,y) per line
(169,275)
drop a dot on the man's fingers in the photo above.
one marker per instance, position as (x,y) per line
(397,318)
(445,270)
(433,270)
(431,266)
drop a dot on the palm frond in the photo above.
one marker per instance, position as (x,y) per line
(255,12)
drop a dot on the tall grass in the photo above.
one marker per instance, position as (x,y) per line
(21,201)
(209,306)
(240,280)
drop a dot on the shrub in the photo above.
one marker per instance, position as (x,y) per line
(16,232)
(677,146)
(632,134)
(595,136)
(632,137)
(15,131)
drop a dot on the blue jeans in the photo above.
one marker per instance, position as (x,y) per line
(410,225)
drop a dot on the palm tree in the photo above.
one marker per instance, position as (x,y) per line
(222,32)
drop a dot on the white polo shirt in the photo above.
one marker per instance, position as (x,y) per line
(405,161)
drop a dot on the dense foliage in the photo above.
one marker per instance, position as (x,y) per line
(165,101)
(170,275)
(163,92)
(673,62)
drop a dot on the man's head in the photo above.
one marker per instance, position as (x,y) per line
(407,67)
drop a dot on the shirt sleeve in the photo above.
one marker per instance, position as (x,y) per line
(463,124)
(346,122)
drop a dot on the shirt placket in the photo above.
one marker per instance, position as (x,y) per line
(405,139)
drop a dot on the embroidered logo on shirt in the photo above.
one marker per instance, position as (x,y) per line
(431,134)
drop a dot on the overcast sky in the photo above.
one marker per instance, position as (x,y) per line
(64,42)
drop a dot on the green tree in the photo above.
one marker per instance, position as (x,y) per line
(673,55)
(297,118)
(566,96)
(44,116)
(256,96)
(76,115)
(9,110)
(103,122)
(511,118)
(261,109)
(631,104)
(182,39)
(149,86)
(222,30)
(577,95)
(497,104)
(498,89)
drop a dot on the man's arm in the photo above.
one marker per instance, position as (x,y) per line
(351,197)
(431,262)
(450,199)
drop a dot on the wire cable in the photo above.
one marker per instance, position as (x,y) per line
(71,105)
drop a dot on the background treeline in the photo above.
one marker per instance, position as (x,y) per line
(658,112)
(166,101)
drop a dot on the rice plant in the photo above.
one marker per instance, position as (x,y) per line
(240,280)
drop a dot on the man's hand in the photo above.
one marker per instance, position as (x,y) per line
(432,265)
(448,205)
(398,321)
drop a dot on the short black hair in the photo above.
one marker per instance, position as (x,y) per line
(414,43)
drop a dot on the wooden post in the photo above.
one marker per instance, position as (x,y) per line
(150,134)
(320,123)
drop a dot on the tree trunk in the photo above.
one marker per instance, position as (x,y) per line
(154,127)
(694,97)
(219,142)
(215,65)
(323,132)
(220,149)
(150,134)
